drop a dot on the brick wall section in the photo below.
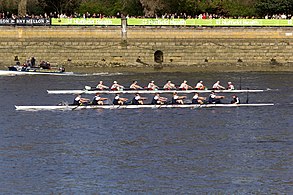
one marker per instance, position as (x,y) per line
(92,46)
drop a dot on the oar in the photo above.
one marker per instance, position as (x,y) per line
(240,84)
(247,98)
(75,107)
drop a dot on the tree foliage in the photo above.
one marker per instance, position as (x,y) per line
(228,8)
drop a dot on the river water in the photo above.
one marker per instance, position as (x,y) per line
(244,150)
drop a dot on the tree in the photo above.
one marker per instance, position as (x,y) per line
(60,6)
(151,7)
(271,7)
(22,7)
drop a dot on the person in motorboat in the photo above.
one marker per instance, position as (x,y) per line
(169,85)
(235,99)
(79,101)
(157,99)
(185,86)
(119,100)
(45,65)
(98,100)
(152,86)
(196,99)
(138,100)
(135,86)
(177,99)
(215,99)
(217,86)
(200,86)
(230,86)
(101,86)
(116,86)
(33,61)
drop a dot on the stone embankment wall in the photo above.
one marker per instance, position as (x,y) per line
(93,46)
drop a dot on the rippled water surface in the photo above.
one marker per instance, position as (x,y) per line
(146,151)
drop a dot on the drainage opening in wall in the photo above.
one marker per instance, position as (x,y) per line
(159,56)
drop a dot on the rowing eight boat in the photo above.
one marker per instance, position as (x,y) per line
(191,106)
(152,91)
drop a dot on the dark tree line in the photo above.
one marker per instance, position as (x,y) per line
(151,8)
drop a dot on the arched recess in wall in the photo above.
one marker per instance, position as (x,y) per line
(159,56)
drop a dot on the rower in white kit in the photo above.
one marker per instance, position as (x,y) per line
(230,86)
(134,85)
(200,86)
(185,86)
(101,86)
(169,85)
(152,86)
(116,86)
(217,86)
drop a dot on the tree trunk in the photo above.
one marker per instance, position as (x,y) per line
(22,7)
(150,6)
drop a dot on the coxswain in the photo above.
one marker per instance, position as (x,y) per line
(177,99)
(185,86)
(98,100)
(101,86)
(134,85)
(235,99)
(215,99)
(230,86)
(157,99)
(79,101)
(217,86)
(137,99)
(118,100)
(196,99)
(116,86)
(152,86)
(169,85)
(200,86)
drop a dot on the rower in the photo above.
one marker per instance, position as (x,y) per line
(169,85)
(230,86)
(98,100)
(235,99)
(152,86)
(196,99)
(217,86)
(118,100)
(79,101)
(134,85)
(200,86)
(157,99)
(101,86)
(137,99)
(116,86)
(177,99)
(215,99)
(185,86)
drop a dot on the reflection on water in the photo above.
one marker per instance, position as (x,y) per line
(151,151)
